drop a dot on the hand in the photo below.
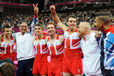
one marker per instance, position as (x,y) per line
(52,7)
(98,34)
(35,6)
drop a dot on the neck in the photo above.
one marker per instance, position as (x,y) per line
(72,30)
(7,37)
(39,36)
(53,36)
(22,33)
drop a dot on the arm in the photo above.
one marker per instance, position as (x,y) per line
(56,18)
(35,17)
(36,9)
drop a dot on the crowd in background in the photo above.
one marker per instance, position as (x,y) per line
(15,19)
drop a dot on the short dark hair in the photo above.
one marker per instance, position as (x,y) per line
(70,16)
(7,69)
(39,25)
(7,26)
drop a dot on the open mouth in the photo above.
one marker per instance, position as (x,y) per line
(72,25)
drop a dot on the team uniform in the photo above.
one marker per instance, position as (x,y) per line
(40,65)
(56,50)
(107,51)
(91,52)
(72,57)
(7,52)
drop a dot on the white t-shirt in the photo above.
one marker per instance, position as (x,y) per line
(91,52)
(25,48)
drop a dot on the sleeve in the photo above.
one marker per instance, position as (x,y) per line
(14,35)
(34,21)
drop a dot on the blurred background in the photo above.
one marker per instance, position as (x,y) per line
(13,12)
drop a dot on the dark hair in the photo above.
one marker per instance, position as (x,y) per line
(7,26)
(70,16)
(39,25)
(7,69)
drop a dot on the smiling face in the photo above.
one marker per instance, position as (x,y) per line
(38,30)
(7,31)
(81,29)
(84,27)
(23,27)
(71,23)
(51,29)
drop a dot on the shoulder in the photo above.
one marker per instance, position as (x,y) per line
(16,34)
(66,31)
(112,29)
(29,35)
(46,38)
(110,35)
(61,36)
(34,38)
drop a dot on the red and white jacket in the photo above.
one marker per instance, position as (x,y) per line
(72,44)
(8,49)
(56,49)
(41,49)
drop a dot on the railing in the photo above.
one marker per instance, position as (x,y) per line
(15,4)
(78,1)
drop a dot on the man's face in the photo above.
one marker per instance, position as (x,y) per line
(8,31)
(71,23)
(51,29)
(99,25)
(38,30)
(23,28)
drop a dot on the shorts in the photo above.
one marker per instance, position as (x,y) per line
(72,65)
(55,69)
(40,67)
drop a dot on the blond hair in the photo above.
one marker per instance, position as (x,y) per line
(85,24)
(50,23)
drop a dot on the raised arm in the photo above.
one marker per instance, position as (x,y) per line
(36,9)
(56,18)
(35,18)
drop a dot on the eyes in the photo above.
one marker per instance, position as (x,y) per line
(50,27)
(72,21)
(23,26)
(8,30)
(37,28)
